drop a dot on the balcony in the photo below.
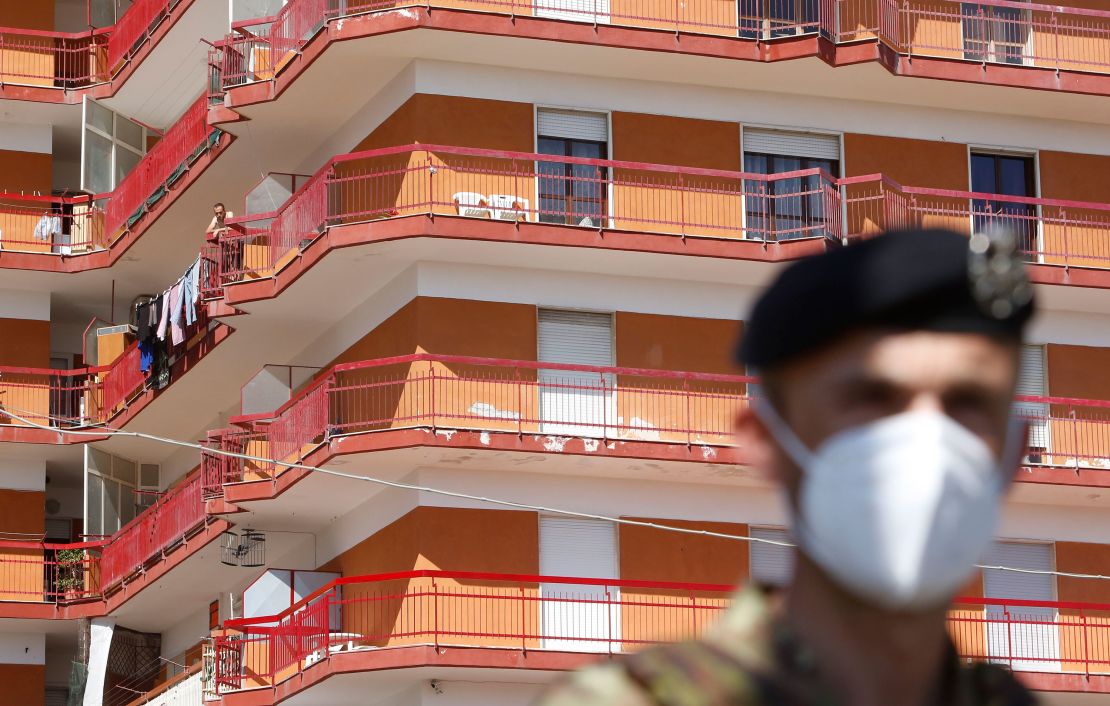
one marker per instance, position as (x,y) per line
(547,408)
(454,193)
(93,232)
(61,67)
(991,41)
(36,404)
(367,623)
(40,580)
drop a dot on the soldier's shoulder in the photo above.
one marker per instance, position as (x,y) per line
(996,685)
(687,673)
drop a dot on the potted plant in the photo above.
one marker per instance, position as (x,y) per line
(71,572)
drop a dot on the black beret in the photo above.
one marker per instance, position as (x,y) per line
(903,280)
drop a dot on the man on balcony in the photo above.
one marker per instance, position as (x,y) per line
(888,370)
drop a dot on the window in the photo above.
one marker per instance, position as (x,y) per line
(767,19)
(576,402)
(797,207)
(214,615)
(1024,637)
(591,618)
(572,194)
(114,491)
(111,146)
(1031,383)
(994,33)
(1006,175)
(771,564)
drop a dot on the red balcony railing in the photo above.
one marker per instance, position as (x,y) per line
(535,188)
(526,612)
(988,31)
(1001,32)
(134,28)
(71,60)
(1051,231)
(485,394)
(529,397)
(160,168)
(51,398)
(615,196)
(155,531)
(50,573)
(53,59)
(39,572)
(50,224)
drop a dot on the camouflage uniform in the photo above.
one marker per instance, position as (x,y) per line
(750,659)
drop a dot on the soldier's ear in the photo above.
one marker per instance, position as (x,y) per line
(758,449)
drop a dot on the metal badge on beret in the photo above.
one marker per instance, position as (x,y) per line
(996,271)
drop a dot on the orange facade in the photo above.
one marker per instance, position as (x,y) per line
(24,684)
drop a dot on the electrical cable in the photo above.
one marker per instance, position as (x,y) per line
(112,431)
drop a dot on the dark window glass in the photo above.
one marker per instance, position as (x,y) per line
(784,209)
(572,194)
(1007,175)
(992,33)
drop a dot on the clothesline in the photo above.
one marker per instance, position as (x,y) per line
(163,321)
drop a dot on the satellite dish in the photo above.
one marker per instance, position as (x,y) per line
(52,506)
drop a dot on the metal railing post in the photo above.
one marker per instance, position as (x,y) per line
(435,613)
(1086,647)
(1074,436)
(689,421)
(609,620)
(523,623)
(519,404)
(1009,637)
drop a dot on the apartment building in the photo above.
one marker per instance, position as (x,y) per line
(487,261)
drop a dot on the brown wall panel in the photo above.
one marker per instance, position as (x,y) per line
(24,684)
(676,343)
(685,142)
(22,512)
(1075,177)
(1079,371)
(27,14)
(926,163)
(449,539)
(25,172)
(648,554)
(456,121)
(25,343)
(1083,558)
(451,327)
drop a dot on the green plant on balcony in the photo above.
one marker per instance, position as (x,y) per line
(71,572)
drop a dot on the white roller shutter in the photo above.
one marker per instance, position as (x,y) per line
(572,124)
(1016,584)
(573,402)
(576,337)
(580,548)
(791,143)
(579,617)
(771,564)
(1023,637)
(1031,382)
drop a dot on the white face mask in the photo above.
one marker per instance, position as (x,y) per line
(897,511)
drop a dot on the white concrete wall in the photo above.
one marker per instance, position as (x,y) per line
(22,648)
(23,474)
(187,632)
(24,304)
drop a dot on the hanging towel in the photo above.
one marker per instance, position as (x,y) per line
(191,292)
(164,317)
(177,331)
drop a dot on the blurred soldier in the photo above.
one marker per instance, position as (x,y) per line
(888,370)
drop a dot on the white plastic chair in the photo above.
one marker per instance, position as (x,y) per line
(507,207)
(471,203)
